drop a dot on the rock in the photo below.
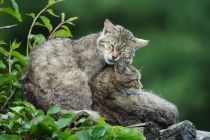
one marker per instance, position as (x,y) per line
(181,131)
(184,130)
(203,135)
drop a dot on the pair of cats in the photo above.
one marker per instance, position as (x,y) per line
(82,74)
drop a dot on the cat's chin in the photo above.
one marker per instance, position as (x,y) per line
(109,62)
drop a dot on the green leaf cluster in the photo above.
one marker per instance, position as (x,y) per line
(25,121)
(12,67)
(21,120)
(12,11)
(13,64)
(41,19)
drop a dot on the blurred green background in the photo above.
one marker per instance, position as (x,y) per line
(175,65)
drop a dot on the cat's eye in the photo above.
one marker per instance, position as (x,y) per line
(124,49)
(106,32)
(122,53)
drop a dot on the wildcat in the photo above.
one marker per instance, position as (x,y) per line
(118,97)
(61,70)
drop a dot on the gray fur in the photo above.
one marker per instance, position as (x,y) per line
(118,97)
(60,70)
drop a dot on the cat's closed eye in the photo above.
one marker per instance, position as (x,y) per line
(106,32)
(122,53)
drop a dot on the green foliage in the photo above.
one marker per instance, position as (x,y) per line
(14,63)
(64,30)
(12,66)
(43,21)
(12,11)
(53,110)
(24,121)
(20,119)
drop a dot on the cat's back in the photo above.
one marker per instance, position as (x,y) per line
(50,48)
(49,59)
(61,48)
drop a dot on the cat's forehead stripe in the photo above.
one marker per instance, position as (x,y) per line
(124,31)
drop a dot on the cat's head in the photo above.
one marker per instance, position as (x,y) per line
(127,77)
(115,42)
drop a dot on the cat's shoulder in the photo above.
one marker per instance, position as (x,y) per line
(52,43)
(90,38)
(57,42)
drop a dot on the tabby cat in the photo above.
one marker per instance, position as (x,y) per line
(61,70)
(118,97)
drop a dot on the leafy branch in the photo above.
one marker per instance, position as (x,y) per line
(8,99)
(50,3)
(64,32)
(13,66)
(12,11)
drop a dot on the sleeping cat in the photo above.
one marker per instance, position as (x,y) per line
(60,70)
(118,97)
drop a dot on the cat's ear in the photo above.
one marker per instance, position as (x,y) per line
(139,43)
(108,26)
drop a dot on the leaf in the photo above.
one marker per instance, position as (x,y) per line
(62,17)
(46,22)
(37,119)
(99,131)
(17,109)
(21,58)
(15,45)
(50,2)
(130,133)
(101,121)
(62,33)
(53,110)
(9,137)
(43,128)
(3,51)
(13,13)
(15,6)
(84,134)
(39,24)
(28,105)
(6,78)
(50,11)
(72,19)
(64,120)
(66,28)
(16,83)
(31,15)
(69,21)
(39,38)
(74,137)
(2,65)
(2,42)
(63,135)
